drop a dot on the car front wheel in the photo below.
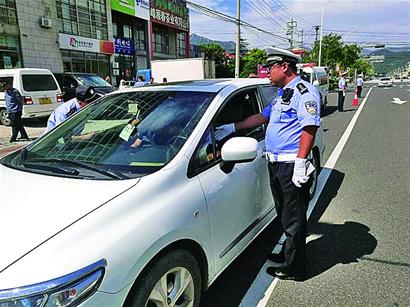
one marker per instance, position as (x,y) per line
(173,280)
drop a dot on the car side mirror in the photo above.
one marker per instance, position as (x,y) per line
(237,150)
(316,83)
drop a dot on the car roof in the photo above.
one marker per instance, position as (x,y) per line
(24,70)
(206,85)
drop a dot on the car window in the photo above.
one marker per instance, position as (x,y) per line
(37,83)
(93,80)
(70,82)
(238,107)
(8,80)
(136,133)
(268,93)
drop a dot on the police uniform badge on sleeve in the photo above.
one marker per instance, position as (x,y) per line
(302,88)
(311,107)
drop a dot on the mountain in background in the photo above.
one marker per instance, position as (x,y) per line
(200,40)
(393,59)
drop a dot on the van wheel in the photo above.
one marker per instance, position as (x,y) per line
(4,117)
(173,280)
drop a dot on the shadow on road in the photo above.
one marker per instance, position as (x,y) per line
(337,243)
(35,122)
(328,111)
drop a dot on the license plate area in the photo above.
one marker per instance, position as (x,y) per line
(46,100)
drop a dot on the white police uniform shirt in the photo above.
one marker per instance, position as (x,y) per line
(288,118)
(62,113)
(342,84)
(359,81)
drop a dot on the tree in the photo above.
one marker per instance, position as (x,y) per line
(214,52)
(363,67)
(251,60)
(349,56)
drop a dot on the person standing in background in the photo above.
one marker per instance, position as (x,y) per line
(341,91)
(14,105)
(359,86)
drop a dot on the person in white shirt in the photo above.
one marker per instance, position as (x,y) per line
(342,91)
(359,86)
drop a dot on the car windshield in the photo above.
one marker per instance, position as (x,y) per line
(93,80)
(134,134)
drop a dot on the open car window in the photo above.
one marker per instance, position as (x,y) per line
(133,133)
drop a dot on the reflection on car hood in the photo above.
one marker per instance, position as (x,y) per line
(35,207)
(105,89)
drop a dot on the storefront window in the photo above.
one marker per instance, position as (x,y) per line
(140,42)
(9,52)
(181,44)
(87,62)
(127,31)
(83,17)
(160,39)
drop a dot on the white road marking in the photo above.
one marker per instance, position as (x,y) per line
(398,101)
(262,287)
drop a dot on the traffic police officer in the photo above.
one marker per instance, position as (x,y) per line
(341,91)
(14,108)
(293,118)
(83,95)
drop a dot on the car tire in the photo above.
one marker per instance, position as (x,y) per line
(315,175)
(162,280)
(4,117)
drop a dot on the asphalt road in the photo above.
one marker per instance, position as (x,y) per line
(358,243)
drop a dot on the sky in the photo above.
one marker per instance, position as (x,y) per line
(365,22)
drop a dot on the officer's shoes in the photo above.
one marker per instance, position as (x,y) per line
(276,258)
(12,140)
(24,139)
(286,274)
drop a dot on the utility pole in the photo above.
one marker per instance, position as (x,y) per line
(238,37)
(291,25)
(301,38)
(317,32)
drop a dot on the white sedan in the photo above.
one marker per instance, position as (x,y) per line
(132,201)
(385,82)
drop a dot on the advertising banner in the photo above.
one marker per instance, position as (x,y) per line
(124,46)
(173,13)
(78,43)
(138,8)
(124,6)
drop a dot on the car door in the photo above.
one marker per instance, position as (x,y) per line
(232,201)
(70,85)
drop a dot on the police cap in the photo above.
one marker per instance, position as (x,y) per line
(85,93)
(278,55)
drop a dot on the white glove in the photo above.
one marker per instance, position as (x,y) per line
(300,172)
(224,130)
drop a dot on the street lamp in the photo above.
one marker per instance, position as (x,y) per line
(321,32)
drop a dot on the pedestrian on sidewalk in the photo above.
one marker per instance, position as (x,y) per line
(14,106)
(292,120)
(359,86)
(83,96)
(342,91)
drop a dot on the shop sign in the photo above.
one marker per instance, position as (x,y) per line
(124,46)
(73,42)
(138,8)
(173,13)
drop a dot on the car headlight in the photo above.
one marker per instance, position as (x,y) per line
(68,290)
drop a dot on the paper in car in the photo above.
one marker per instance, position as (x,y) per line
(133,108)
(310,169)
(126,132)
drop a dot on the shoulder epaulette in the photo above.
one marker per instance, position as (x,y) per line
(302,88)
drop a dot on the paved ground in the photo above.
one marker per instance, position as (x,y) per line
(34,128)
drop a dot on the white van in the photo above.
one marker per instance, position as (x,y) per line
(39,89)
(318,77)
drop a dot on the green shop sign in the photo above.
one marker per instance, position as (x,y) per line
(124,6)
(170,12)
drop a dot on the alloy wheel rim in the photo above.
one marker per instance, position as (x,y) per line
(174,289)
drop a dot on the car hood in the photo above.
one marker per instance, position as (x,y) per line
(35,207)
(104,90)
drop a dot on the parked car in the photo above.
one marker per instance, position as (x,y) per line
(70,80)
(133,201)
(39,89)
(385,82)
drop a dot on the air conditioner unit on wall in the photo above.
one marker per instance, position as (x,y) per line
(46,22)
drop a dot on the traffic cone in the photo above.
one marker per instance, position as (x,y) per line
(355,101)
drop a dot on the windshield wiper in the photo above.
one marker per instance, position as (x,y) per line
(54,169)
(108,172)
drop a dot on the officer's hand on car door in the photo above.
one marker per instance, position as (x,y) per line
(223,131)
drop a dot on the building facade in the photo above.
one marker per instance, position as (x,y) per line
(106,37)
